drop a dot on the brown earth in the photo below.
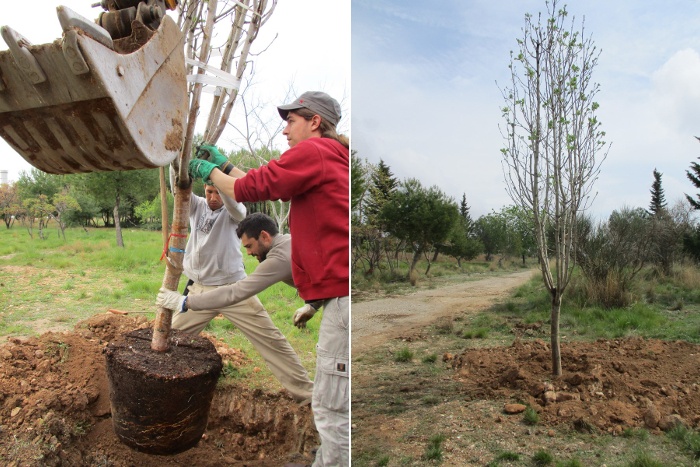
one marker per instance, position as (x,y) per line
(55,408)
(606,386)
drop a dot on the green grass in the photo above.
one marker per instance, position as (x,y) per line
(403,355)
(55,282)
(430,358)
(542,458)
(645,460)
(434,450)
(531,304)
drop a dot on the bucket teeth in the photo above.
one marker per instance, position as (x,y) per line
(71,20)
(19,48)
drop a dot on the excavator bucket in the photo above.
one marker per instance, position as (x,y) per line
(90,103)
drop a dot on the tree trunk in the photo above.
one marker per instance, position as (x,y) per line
(554,331)
(163,207)
(173,269)
(117,224)
(416,257)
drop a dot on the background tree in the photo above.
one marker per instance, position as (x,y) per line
(63,202)
(491,232)
(369,240)
(461,243)
(464,214)
(520,232)
(658,198)
(611,254)
(694,176)
(553,141)
(382,186)
(358,185)
(10,203)
(422,218)
(666,231)
(120,191)
(35,182)
(38,211)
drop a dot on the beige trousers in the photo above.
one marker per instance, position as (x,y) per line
(331,401)
(251,318)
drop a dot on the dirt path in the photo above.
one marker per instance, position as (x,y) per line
(377,321)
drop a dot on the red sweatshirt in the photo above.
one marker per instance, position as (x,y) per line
(314,175)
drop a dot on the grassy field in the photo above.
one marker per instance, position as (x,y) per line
(52,284)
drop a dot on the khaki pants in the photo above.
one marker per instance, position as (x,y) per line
(251,318)
(331,401)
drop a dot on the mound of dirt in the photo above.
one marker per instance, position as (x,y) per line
(55,408)
(605,385)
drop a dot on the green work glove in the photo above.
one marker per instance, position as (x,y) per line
(199,168)
(210,153)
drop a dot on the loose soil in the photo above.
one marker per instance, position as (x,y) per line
(55,408)
(474,394)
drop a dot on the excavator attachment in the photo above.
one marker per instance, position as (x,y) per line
(94,100)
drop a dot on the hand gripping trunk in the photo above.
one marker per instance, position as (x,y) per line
(86,103)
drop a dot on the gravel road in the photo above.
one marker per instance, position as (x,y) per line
(376,321)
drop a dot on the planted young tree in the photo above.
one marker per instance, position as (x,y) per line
(554,144)
(238,22)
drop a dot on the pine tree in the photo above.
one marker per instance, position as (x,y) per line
(382,186)
(658,199)
(464,214)
(694,177)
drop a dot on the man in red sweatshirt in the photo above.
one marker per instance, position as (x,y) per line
(314,175)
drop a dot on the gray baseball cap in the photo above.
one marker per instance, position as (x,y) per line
(317,102)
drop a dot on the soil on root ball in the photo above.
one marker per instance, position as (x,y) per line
(55,408)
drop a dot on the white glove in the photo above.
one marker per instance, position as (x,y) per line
(303,314)
(170,299)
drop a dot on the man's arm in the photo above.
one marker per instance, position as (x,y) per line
(269,272)
(224,183)
(236,210)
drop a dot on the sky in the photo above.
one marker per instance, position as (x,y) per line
(426,93)
(304,46)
